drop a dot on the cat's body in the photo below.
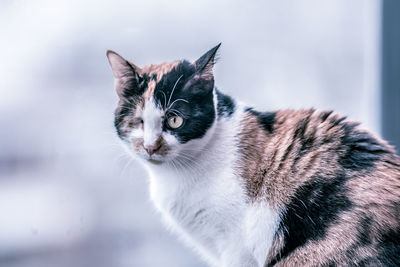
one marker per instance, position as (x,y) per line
(245,188)
(205,201)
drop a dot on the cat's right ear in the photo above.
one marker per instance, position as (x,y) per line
(126,74)
(204,65)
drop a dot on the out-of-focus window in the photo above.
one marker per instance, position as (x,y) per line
(391,72)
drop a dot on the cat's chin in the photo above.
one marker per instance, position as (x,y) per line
(147,159)
(155,161)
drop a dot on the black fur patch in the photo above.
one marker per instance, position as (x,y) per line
(191,99)
(314,207)
(225,106)
(364,230)
(386,244)
(266,119)
(306,139)
(369,261)
(362,150)
(135,87)
(324,115)
(119,117)
(389,247)
(207,58)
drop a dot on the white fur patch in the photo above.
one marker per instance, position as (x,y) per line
(261,223)
(152,118)
(203,199)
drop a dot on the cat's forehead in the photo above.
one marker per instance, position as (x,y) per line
(162,78)
(155,72)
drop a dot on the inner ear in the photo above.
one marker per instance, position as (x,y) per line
(127,75)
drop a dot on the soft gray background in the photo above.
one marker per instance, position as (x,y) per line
(69,196)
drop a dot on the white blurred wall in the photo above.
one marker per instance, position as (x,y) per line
(69,196)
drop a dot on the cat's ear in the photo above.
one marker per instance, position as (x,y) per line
(126,74)
(204,65)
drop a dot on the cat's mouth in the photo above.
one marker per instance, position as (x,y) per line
(155,161)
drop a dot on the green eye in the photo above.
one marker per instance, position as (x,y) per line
(175,122)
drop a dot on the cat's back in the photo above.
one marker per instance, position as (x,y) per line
(335,186)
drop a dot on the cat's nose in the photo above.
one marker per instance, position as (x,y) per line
(151,149)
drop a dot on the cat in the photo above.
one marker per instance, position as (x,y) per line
(250,188)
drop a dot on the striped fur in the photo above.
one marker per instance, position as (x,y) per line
(336,187)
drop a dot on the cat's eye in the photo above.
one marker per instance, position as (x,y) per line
(175,122)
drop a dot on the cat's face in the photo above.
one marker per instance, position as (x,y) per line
(164,110)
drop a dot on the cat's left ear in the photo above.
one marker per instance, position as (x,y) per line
(126,74)
(204,65)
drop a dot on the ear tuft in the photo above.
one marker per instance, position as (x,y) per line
(204,65)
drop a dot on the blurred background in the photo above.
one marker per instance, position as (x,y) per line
(69,195)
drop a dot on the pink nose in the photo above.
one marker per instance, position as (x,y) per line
(152,149)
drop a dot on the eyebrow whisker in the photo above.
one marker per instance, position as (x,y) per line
(179,99)
(165,99)
(176,112)
(173,89)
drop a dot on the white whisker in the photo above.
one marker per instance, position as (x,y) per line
(130,161)
(177,112)
(173,89)
(179,99)
(190,163)
(165,99)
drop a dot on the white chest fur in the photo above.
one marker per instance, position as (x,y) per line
(206,204)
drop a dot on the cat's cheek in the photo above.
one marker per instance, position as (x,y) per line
(135,142)
(137,133)
(171,142)
(129,147)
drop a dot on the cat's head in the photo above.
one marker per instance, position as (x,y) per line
(164,110)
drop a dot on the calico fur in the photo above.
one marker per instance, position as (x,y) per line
(249,188)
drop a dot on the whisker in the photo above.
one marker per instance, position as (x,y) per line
(130,101)
(165,99)
(177,112)
(179,99)
(121,115)
(173,89)
(184,167)
(130,161)
(191,163)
